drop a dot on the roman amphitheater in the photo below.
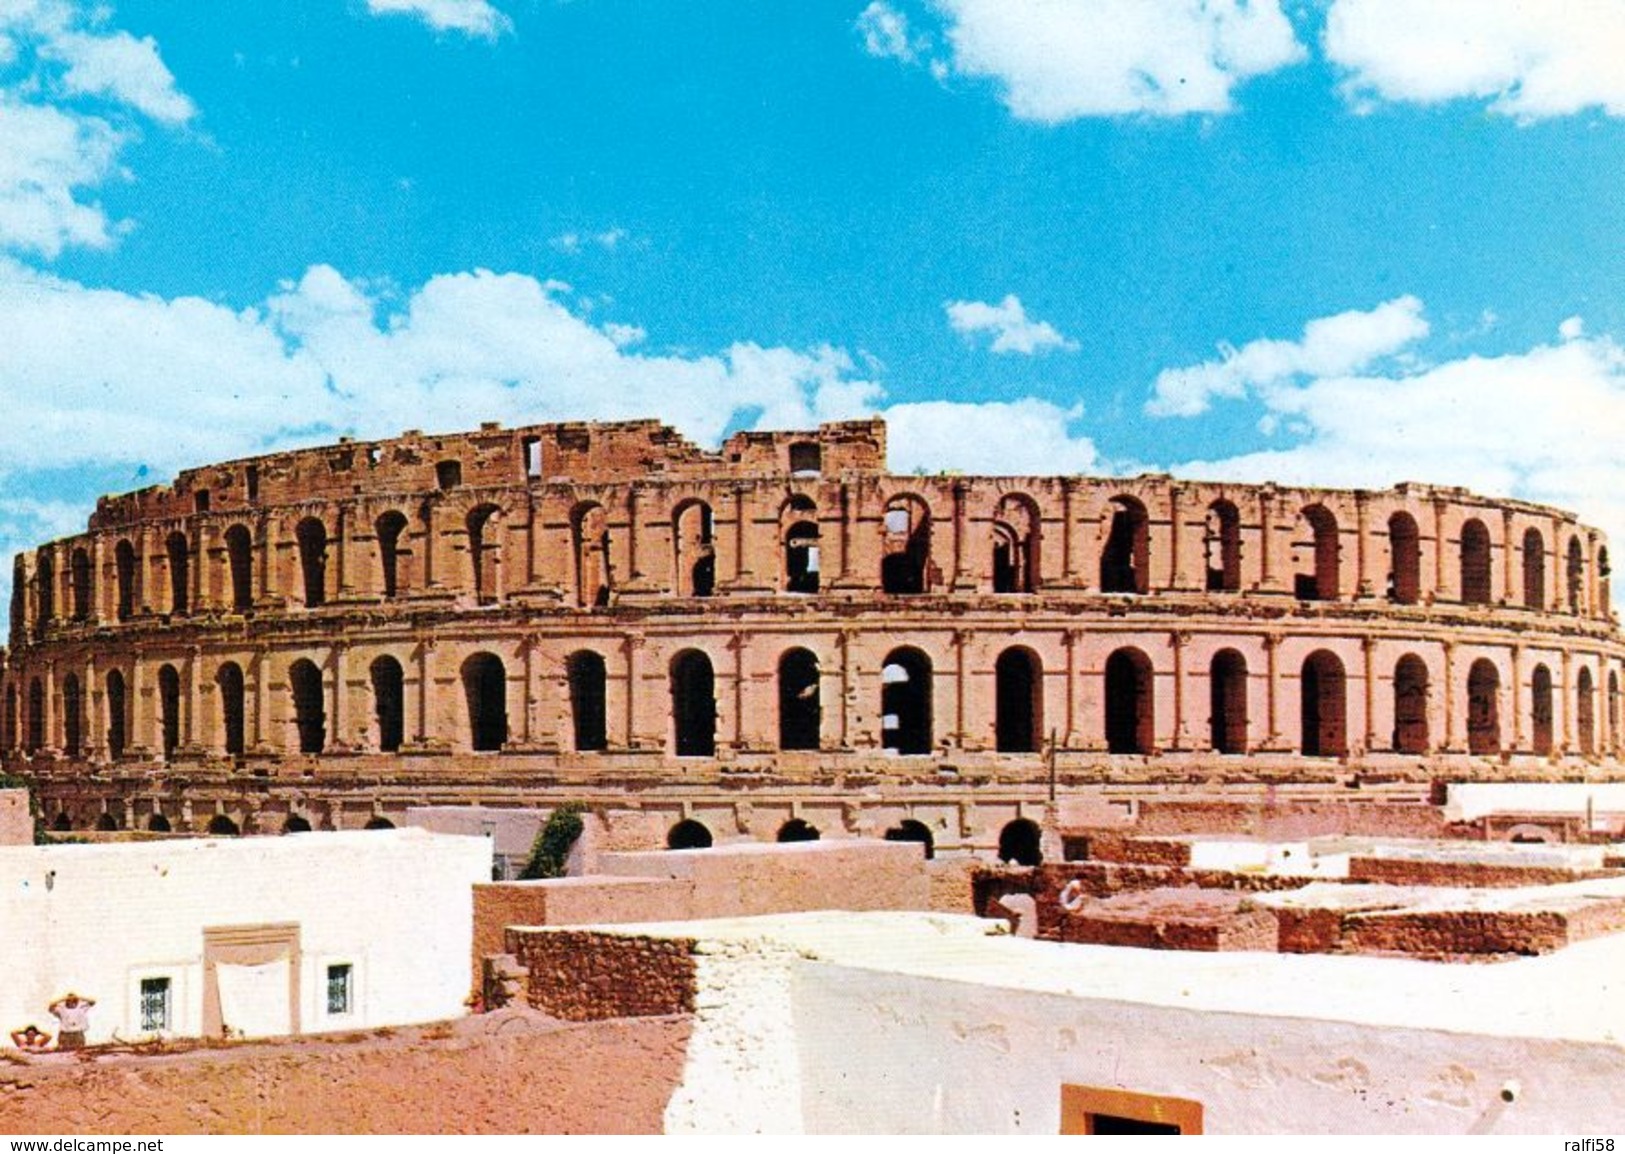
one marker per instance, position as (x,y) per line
(781,639)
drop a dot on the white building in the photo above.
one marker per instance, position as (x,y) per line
(257,937)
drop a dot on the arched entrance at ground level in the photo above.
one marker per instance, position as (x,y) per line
(1483,708)
(169,709)
(910,830)
(379,823)
(309,709)
(158,823)
(63,822)
(116,713)
(1410,705)
(1324,703)
(107,823)
(1540,710)
(798,830)
(1019,842)
(1227,691)
(485,686)
(801,712)
(1130,703)
(587,676)
(222,826)
(388,702)
(1018,701)
(688,834)
(693,705)
(296,824)
(229,681)
(905,702)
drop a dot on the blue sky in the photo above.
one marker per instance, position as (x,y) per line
(1344,243)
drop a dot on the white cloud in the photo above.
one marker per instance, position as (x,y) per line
(1530,61)
(472,17)
(885,32)
(70,102)
(1007,321)
(1572,329)
(574,242)
(996,438)
(1330,346)
(1059,60)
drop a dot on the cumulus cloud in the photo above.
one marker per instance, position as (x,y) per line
(471,17)
(995,438)
(1329,346)
(1529,61)
(74,95)
(1007,322)
(1060,60)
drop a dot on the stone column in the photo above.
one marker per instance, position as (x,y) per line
(843,640)
(431,579)
(270,585)
(1454,742)
(1441,587)
(844,569)
(1368,651)
(959,639)
(736,642)
(1177,641)
(1507,570)
(1565,700)
(959,579)
(189,714)
(1069,638)
(633,568)
(1272,645)
(343,514)
(741,515)
(135,720)
(1516,697)
(1363,585)
(335,725)
(1266,550)
(91,742)
(200,600)
(262,699)
(53,739)
(633,646)
(104,591)
(1176,531)
(1069,534)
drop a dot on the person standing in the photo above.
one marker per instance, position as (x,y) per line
(73,1017)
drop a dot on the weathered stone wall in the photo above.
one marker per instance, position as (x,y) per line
(584,976)
(578,901)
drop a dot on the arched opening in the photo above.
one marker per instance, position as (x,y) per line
(587,676)
(1410,705)
(806,458)
(1540,708)
(1613,711)
(222,826)
(1018,699)
(309,711)
(229,681)
(1585,718)
(1015,545)
(688,834)
(124,579)
(801,712)
(107,823)
(485,687)
(693,705)
(1534,570)
(906,551)
(169,710)
(482,553)
(296,824)
(1475,563)
(1604,594)
(1125,562)
(1404,560)
(34,735)
(117,712)
(1130,703)
(590,532)
(694,562)
(1019,842)
(1221,543)
(1483,708)
(1317,578)
(905,702)
(177,549)
(379,823)
(80,578)
(45,592)
(1227,691)
(1323,706)
(797,830)
(73,714)
(1576,575)
(312,537)
(910,830)
(240,561)
(388,702)
(448,475)
(389,528)
(158,823)
(801,548)
(63,822)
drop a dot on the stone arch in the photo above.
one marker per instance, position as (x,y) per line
(484,551)
(688,834)
(63,822)
(905,563)
(118,713)
(1585,712)
(1410,705)
(311,536)
(589,529)
(1540,710)
(1404,559)
(1534,570)
(694,551)
(906,702)
(44,591)
(588,678)
(228,680)
(1018,698)
(178,551)
(296,823)
(1227,694)
(169,710)
(917,831)
(801,713)
(309,705)
(1130,702)
(1125,560)
(158,823)
(485,690)
(693,704)
(240,564)
(1484,708)
(1221,544)
(388,681)
(1476,586)
(124,570)
(798,522)
(34,735)
(107,823)
(1021,841)
(1323,706)
(797,829)
(222,826)
(79,577)
(73,717)
(1317,539)
(1016,527)
(389,529)
(1527,833)
(378,821)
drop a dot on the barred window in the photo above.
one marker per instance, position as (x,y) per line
(155,1014)
(339,986)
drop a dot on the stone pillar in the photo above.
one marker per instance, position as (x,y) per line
(1442,587)
(262,701)
(1069,535)
(1565,701)
(335,722)
(431,577)
(425,682)
(1176,554)
(104,591)
(1508,597)
(189,712)
(143,575)
(343,514)
(1516,697)
(1181,736)
(736,642)
(135,720)
(1368,651)
(199,596)
(633,646)
(960,580)
(91,742)
(1363,585)
(1454,742)
(959,639)
(843,640)
(1266,550)
(742,572)
(53,739)
(270,585)
(844,569)
(1070,639)
(633,568)
(1272,645)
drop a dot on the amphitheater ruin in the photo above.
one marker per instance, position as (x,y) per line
(781,639)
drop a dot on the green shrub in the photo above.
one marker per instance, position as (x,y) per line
(553,842)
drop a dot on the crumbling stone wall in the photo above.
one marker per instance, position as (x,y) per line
(583,976)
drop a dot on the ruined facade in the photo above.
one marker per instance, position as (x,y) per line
(781,635)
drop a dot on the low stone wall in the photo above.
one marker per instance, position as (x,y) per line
(1135,850)
(583,975)
(1294,821)
(572,902)
(1480,875)
(1202,920)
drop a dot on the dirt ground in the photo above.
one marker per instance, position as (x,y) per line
(509,1072)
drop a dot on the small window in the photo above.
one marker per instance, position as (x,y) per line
(533,456)
(448,474)
(340,988)
(251,482)
(155,1015)
(806,458)
(200,500)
